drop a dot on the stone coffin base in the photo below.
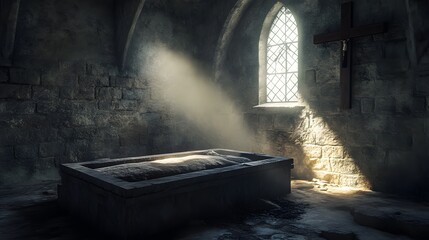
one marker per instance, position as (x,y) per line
(135,209)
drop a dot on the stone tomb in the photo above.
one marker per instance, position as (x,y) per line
(140,196)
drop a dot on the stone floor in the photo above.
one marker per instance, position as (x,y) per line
(313,210)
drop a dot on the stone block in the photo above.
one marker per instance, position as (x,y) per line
(125,105)
(78,151)
(251,120)
(385,105)
(67,93)
(8,135)
(406,105)
(396,49)
(329,90)
(427,104)
(133,94)
(377,123)
(93,81)
(422,86)
(79,93)
(34,63)
(76,67)
(24,76)
(100,154)
(388,68)
(129,138)
(17,107)
(328,75)
(344,166)
(310,76)
(333,151)
(308,92)
(58,78)
(367,105)
(65,133)
(6,152)
(266,121)
(107,133)
(86,133)
(398,141)
(127,82)
(293,151)
(26,151)
(46,164)
(363,89)
(108,93)
(95,69)
(356,107)
(4,74)
(81,120)
(105,105)
(144,107)
(327,105)
(394,87)
(105,145)
(14,91)
(400,159)
(366,155)
(47,107)
(351,180)
(80,106)
(357,123)
(420,142)
(360,138)
(325,137)
(312,151)
(320,164)
(287,123)
(51,149)
(132,151)
(396,31)
(45,92)
(364,72)
(21,120)
(29,136)
(152,118)
(366,52)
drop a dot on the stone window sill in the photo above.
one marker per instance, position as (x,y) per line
(278,108)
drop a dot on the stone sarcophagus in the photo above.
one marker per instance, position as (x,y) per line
(140,196)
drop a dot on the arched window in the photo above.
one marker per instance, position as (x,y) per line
(279,78)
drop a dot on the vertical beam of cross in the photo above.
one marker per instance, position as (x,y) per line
(345,35)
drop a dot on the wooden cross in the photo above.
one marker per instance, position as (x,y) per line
(345,35)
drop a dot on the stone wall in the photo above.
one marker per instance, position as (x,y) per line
(64,99)
(381,142)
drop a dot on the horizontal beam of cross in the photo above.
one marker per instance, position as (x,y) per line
(352,33)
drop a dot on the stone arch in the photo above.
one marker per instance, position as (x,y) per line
(227,32)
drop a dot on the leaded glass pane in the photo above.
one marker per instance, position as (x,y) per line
(282,59)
